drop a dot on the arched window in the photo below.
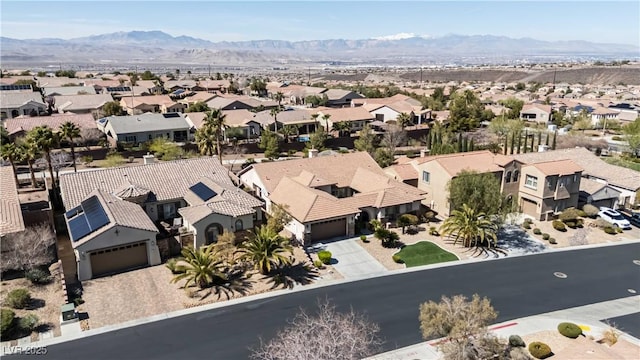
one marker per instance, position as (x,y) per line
(516,176)
(507,178)
(211,233)
(238,225)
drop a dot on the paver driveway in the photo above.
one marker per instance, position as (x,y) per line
(350,259)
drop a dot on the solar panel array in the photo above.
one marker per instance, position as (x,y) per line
(86,218)
(15,87)
(118,88)
(171,115)
(203,191)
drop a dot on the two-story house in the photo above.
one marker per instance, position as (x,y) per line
(536,113)
(547,188)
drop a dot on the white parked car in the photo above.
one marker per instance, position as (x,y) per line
(614,218)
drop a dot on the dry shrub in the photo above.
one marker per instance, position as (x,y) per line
(611,335)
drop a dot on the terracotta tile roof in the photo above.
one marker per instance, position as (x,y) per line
(199,96)
(528,107)
(166,180)
(480,161)
(591,186)
(557,167)
(82,102)
(68,90)
(591,163)
(14,100)
(404,172)
(132,102)
(11,220)
(196,119)
(235,118)
(26,123)
(289,117)
(346,114)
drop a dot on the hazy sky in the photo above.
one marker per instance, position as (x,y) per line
(596,21)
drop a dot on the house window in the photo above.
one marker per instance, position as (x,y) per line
(130,138)
(516,176)
(238,225)
(167,211)
(531,182)
(507,178)
(211,233)
(426,177)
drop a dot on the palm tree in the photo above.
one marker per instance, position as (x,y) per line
(341,127)
(288,131)
(404,120)
(470,226)
(265,249)
(326,117)
(10,152)
(70,131)
(215,121)
(274,112)
(45,140)
(202,267)
(206,140)
(279,96)
(314,117)
(28,152)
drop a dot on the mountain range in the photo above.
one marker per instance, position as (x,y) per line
(403,49)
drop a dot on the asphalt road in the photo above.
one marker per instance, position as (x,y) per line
(518,287)
(630,324)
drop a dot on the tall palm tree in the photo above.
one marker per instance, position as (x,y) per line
(215,120)
(279,96)
(29,152)
(266,250)
(326,117)
(274,112)
(470,226)
(45,140)
(206,140)
(342,127)
(289,130)
(202,267)
(70,131)
(10,152)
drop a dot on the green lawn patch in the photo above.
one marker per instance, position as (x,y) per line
(622,162)
(424,253)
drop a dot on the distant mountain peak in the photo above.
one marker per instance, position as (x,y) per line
(401,36)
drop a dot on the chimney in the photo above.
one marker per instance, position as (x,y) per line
(148,159)
(423,153)
(313,153)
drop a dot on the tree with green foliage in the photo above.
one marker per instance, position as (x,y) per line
(343,128)
(165,149)
(10,152)
(65,73)
(70,131)
(215,120)
(266,250)
(466,111)
(471,227)
(148,75)
(202,267)
(479,190)
(367,140)
(112,108)
(553,145)
(383,157)
(288,131)
(274,112)
(317,140)
(404,120)
(205,139)
(258,86)
(198,106)
(405,220)
(45,140)
(278,218)
(631,133)
(270,144)
(514,105)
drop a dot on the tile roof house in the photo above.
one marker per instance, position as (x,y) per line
(356,117)
(388,109)
(231,102)
(298,117)
(326,195)
(68,90)
(22,124)
(340,97)
(82,104)
(597,193)
(145,127)
(14,104)
(134,105)
(11,220)
(113,215)
(536,112)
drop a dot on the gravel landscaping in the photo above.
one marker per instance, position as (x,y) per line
(583,347)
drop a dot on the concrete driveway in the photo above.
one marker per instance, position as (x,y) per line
(351,259)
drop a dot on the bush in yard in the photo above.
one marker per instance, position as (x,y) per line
(318,264)
(38,276)
(546,236)
(18,298)
(579,223)
(363,238)
(590,210)
(552,241)
(324,256)
(582,213)
(537,231)
(516,341)
(172,265)
(610,230)
(570,214)
(571,224)
(28,323)
(526,225)
(618,230)
(569,330)
(8,319)
(396,258)
(540,350)
(559,225)
(405,220)
(433,231)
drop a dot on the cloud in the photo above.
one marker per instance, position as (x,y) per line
(401,36)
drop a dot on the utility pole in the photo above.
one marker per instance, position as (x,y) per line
(420,75)
(209,71)
(309,77)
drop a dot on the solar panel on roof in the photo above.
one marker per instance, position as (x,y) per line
(118,88)
(171,115)
(203,191)
(86,218)
(15,87)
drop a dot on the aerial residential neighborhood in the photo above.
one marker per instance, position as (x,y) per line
(184,197)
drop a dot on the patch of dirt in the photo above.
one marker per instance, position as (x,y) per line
(583,347)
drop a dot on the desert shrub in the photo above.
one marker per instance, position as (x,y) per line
(38,276)
(571,224)
(318,264)
(433,231)
(590,210)
(7,320)
(18,298)
(602,223)
(559,225)
(363,237)
(579,223)
(537,231)
(324,256)
(570,214)
(610,230)
(539,350)
(581,213)
(552,241)
(617,138)
(569,330)
(611,335)
(526,225)
(396,258)
(172,264)
(546,236)
(516,341)
(28,323)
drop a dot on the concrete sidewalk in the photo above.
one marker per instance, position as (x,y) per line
(589,315)
(352,260)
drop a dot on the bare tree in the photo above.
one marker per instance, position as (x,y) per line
(60,160)
(28,249)
(90,136)
(327,335)
(393,136)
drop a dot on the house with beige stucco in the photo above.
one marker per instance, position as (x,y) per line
(116,217)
